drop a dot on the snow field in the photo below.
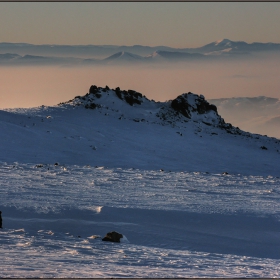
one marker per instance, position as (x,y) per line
(176,224)
(191,197)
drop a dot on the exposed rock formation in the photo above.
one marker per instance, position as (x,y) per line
(184,108)
(130,96)
(113,237)
(188,103)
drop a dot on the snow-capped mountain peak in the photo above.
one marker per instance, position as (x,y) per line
(123,56)
(153,55)
(223,42)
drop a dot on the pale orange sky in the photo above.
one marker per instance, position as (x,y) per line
(175,24)
(35,86)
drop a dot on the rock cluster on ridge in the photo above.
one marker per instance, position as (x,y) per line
(104,129)
(184,108)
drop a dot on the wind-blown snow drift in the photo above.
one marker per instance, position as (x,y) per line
(177,224)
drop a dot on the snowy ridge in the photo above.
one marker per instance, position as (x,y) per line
(186,107)
(123,57)
(192,195)
(224,43)
(122,128)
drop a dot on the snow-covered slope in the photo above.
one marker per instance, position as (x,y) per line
(118,128)
(173,56)
(123,57)
(175,224)
(192,195)
(238,46)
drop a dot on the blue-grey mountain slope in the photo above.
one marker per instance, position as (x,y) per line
(106,54)
(119,128)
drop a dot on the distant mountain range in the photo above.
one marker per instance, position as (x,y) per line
(22,53)
(228,46)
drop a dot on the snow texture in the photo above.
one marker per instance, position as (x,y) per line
(192,195)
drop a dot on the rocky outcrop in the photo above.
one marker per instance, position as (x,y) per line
(90,106)
(130,96)
(196,108)
(181,105)
(113,237)
(184,108)
(189,102)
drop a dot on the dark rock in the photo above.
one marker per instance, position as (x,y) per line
(204,106)
(113,237)
(130,96)
(229,131)
(201,106)
(207,123)
(93,89)
(263,147)
(181,105)
(90,106)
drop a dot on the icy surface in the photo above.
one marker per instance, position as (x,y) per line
(191,199)
(179,224)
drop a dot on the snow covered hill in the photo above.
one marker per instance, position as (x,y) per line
(119,128)
(192,195)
